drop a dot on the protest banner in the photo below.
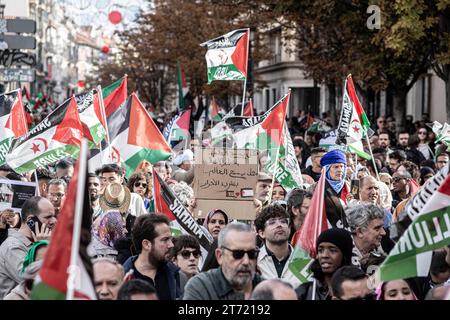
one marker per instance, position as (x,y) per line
(14,193)
(226,178)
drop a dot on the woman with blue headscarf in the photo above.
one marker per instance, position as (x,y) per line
(335,164)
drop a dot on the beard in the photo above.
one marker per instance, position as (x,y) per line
(238,281)
(156,261)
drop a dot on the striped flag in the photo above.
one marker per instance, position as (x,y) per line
(57,136)
(304,239)
(134,138)
(430,230)
(13,123)
(51,283)
(167,203)
(227,56)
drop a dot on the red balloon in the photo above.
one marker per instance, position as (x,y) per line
(115,17)
(105,49)
(81,83)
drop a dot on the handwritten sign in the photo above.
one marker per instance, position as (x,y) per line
(223,181)
(226,178)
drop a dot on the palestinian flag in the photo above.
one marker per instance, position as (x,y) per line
(430,230)
(51,283)
(215,113)
(167,203)
(13,122)
(178,128)
(56,137)
(114,95)
(90,115)
(268,134)
(237,110)
(227,56)
(304,239)
(134,138)
(184,95)
(285,167)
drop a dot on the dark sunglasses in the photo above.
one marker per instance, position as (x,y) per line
(138,184)
(396,179)
(186,254)
(239,254)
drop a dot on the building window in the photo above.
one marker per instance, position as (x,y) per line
(267,92)
(275,45)
(274,96)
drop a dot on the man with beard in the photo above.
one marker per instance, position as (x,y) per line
(236,277)
(94,194)
(272,225)
(152,239)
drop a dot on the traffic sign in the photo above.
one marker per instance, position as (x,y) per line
(17,42)
(15,74)
(17,25)
(9,58)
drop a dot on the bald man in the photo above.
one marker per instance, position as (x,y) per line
(369,190)
(274,289)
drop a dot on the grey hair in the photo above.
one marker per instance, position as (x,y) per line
(111,261)
(265,289)
(184,192)
(58,182)
(360,215)
(234,226)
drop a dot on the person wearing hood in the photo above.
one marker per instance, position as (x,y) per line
(215,221)
(335,165)
(30,268)
(184,167)
(334,250)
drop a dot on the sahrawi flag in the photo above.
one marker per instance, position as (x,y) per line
(216,113)
(304,240)
(430,230)
(56,137)
(12,121)
(285,167)
(51,283)
(134,138)
(227,56)
(182,221)
(353,124)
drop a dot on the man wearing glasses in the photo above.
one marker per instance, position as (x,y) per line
(57,189)
(272,225)
(236,277)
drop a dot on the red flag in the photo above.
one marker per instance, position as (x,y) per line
(248,111)
(315,220)
(414,186)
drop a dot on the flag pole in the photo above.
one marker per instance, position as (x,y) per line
(74,270)
(246,71)
(103,112)
(38,192)
(373,159)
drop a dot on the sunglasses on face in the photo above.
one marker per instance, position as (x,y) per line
(239,254)
(186,254)
(138,184)
(422,132)
(396,179)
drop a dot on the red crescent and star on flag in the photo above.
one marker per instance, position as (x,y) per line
(40,142)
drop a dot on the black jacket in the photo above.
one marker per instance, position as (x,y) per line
(333,207)
(305,291)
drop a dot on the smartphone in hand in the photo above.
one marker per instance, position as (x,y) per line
(32,223)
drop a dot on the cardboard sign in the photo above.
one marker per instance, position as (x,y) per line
(14,193)
(226,179)
(235,209)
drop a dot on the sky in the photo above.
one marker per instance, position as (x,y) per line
(95,12)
